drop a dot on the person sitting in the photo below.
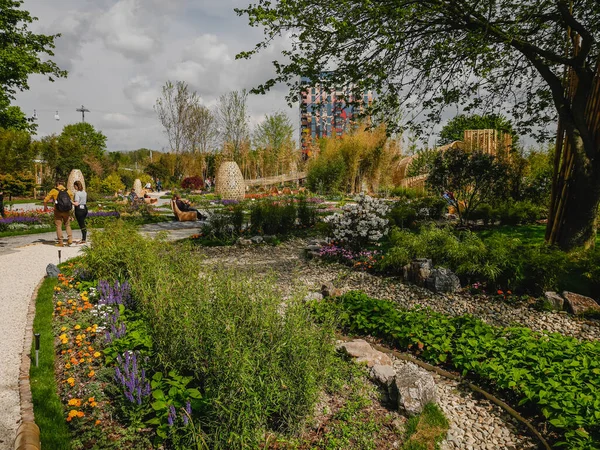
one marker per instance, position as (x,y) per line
(185,206)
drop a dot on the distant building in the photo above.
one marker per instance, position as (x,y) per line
(326,113)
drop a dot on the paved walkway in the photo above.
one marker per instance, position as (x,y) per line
(23,261)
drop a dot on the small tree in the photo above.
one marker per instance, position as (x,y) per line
(469,179)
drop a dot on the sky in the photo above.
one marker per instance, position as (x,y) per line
(119,53)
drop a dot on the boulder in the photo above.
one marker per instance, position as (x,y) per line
(257,239)
(242,241)
(269,239)
(52,271)
(413,388)
(418,271)
(383,375)
(442,280)
(329,290)
(554,301)
(363,352)
(580,304)
(313,296)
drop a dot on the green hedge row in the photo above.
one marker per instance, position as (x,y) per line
(557,375)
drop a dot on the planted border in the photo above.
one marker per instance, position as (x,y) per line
(555,375)
(48,408)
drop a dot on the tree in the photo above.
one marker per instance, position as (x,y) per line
(455,128)
(92,142)
(469,178)
(273,140)
(16,151)
(201,130)
(20,51)
(507,56)
(174,109)
(232,120)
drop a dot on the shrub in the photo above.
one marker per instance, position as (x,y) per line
(361,223)
(326,175)
(307,213)
(194,183)
(520,213)
(272,217)
(403,215)
(485,213)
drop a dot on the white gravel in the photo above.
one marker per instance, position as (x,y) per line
(21,270)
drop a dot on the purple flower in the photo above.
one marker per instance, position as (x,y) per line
(133,380)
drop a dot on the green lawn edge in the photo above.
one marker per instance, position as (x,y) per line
(47,406)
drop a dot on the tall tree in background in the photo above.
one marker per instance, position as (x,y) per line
(232,121)
(20,51)
(201,129)
(274,140)
(173,109)
(504,56)
(92,142)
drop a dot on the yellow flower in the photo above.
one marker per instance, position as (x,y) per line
(59,304)
(74,402)
(72,413)
(91,399)
(71,381)
(97,355)
(91,374)
(63,328)
(62,337)
(77,327)
(68,365)
(80,414)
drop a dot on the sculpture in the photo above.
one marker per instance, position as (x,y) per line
(229,183)
(73,177)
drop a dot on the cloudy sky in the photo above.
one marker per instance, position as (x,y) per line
(119,53)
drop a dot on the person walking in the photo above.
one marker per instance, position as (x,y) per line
(81,212)
(63,204)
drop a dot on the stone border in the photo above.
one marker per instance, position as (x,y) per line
(28,433)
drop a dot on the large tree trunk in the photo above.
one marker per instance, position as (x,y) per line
(578,228)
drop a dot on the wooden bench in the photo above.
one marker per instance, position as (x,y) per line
(183,216)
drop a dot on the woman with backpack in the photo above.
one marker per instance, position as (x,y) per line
(81,212)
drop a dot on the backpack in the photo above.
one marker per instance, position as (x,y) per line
(63,201)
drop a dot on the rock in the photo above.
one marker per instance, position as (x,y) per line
(417,271)
(52,271)
(414,388)
(442,280)
(384,375)
(312,248)
(242,241)
(269,239)
(580,304)
(329,290)
(554,301)
(313,296)
(257,239)
(363,352)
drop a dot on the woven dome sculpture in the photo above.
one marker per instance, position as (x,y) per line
(137,187)
(74,176)
(229,183)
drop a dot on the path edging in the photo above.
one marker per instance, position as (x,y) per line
(28,433)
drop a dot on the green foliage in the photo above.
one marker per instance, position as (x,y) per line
(519,213)
(422,163)
(136,339)
(427,429)
(17,183)
(20,51)
(16,151)
(454,129)
(326,175)
(556,375)
(403,215)
(83,134)
(472,177)
(307,213)
(112,184)
(272,217)
(407,193)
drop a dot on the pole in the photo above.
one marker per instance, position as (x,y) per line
(59,256)
(82,110)
(37,349)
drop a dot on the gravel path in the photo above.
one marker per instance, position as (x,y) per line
(21,269)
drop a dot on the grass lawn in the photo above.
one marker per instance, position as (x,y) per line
(49,414)
(528,234)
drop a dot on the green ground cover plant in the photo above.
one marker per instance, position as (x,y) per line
(54,434)
(552,375)
(426,430)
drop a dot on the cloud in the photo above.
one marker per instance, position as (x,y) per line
(136,28)
(116,121)
(142,94)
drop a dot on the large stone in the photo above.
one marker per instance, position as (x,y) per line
(257,239)
(363,352)
(382,374)
(554,301)
(52,271)
(413,388)
(580,304)
(442,280)
(242,241)
(418,271)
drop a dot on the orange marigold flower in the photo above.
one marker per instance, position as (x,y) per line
(91,374)
(74,402)
(500,292)
(71,381)
(509,292)
(98,422)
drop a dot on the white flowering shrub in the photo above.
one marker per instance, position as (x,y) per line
(360,223)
